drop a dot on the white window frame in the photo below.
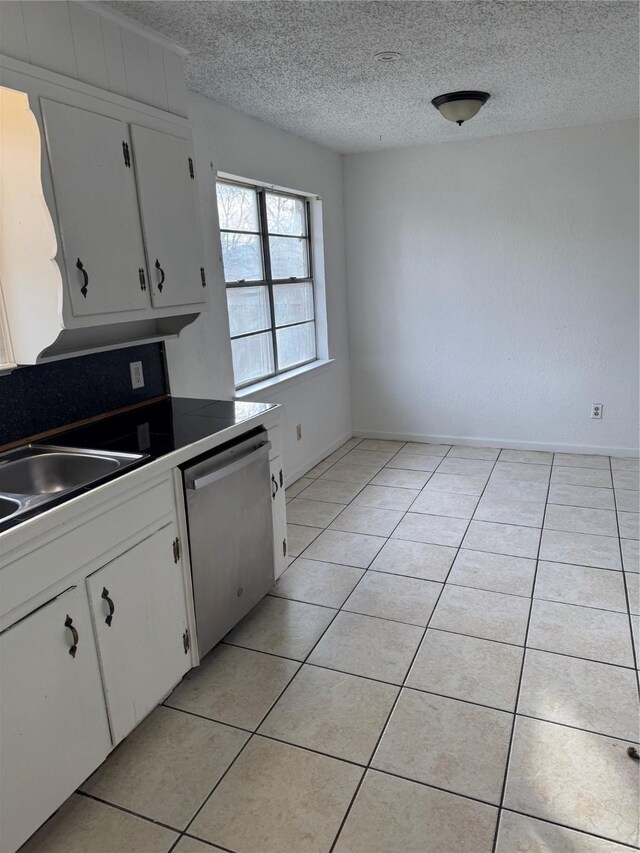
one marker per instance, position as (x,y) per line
(313,208)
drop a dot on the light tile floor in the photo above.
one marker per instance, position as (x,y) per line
(447,666)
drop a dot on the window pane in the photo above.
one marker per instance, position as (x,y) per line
(237,207)
(293,303)
(288,257)
(296,344)
(241,257)
(252,358)
(285,215)
(248,309)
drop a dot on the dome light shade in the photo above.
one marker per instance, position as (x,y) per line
(460,106)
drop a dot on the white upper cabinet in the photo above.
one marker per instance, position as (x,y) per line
(96,190)
(97,207)
(166,187)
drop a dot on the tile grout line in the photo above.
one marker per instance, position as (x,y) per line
(271,707)
(351,504)
(252,734)
(475,550)
(626,589)
(402,687)
(397,687)
(240,751)
(573,829)
(521,677)
(440,630)
(453,583)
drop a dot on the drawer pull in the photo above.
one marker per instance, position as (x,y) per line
(275,487)
(105,595)
(68,623)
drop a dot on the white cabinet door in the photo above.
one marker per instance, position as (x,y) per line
(95,194)
(167,192)
(53,723)
(139,614)
(279,517)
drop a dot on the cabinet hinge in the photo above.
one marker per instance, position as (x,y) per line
(141,278)
(125,152)
(281,478)
(202,278)
(191,173)
(186,641)
(176,550)
(284,547)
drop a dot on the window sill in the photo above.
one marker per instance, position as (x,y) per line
(287,380)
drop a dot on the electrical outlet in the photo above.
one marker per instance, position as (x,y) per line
(298,432)
(137,376)
(596,410)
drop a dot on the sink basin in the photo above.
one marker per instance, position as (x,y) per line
(8,507)
(53,472)
(33,476)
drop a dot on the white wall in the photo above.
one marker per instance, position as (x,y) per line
(493,289)
(200,360)
(95,44)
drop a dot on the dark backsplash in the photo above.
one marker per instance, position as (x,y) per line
(47,396)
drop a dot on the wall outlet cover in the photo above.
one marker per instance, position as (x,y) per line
(596,410)
(137,375)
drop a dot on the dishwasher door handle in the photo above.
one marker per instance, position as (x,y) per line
(224,469)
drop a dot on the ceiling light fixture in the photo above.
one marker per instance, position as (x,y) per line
(387,56)
(460,106)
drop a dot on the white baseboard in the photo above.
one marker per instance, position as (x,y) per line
(301,470)
(557,447)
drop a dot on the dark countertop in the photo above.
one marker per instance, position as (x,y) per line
(155,430)
(159,428)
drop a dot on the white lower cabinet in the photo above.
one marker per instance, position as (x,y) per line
(138,610)
(279,517)
(53,723)
(82,669)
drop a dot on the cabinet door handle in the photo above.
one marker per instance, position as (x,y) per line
(162,275)
(85,278)
(68,623)
(275,487)
(141,279)
(110,604)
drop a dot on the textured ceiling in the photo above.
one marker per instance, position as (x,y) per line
(308,67)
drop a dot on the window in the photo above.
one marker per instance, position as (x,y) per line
(266,252)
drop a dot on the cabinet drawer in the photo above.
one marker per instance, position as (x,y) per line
(53,560)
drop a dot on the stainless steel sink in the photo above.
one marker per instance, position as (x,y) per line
(35,475)
(8,507)
(55,472)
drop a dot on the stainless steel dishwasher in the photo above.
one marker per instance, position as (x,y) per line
(228,497)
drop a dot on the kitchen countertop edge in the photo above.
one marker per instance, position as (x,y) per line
(19,535)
